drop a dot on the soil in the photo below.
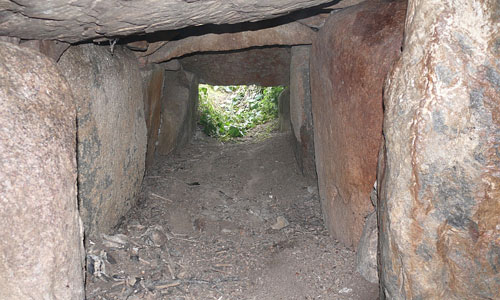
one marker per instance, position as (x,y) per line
(225,221)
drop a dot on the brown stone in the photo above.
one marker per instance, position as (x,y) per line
(111,131)
(153,87)
(261,66)
(41,249)
(178,113)
(301,110)
(349,61)
(439,208)
(138,46)
(317,21)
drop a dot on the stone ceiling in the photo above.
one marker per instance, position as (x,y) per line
(81,20)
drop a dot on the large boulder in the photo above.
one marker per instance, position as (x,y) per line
(178,112)
(82,20)
(41,248)
(108,91)
(261,66)
(439,208)
(349,61)
(301,110)
(153,77)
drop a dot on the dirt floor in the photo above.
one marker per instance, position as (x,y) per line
(225,221)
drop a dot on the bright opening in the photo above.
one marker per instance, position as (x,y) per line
(229,112)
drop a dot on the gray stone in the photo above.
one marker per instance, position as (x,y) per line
(53,49)
(172,65)
(284,110)
(439,188)
(236,37)
(179,107)
(81,20)
(153,77)
(366,254)
(301,110)
(111,131)
(260,66)
(41,248)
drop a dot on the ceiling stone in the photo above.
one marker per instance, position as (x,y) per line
(262,66)
(292,33)
(81,20)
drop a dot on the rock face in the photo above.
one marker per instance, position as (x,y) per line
(111,131)
(366,254)
(301,110)
(41,250)
(349,62)
(179,105)
(239,36)
(284,110)
(153,82)
(82,20)
(52,49)
(439,208)
(261,66)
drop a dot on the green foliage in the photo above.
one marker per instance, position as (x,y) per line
(230,111)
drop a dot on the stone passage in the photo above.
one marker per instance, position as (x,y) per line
(41,249)
(132,73)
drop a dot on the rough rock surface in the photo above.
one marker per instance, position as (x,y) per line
(349,61)
(238,37)
(301,110)
(366,254)
(284,110)
(178,112)
(439,208)
(111,131)
(52,49)
(41,237)
(262,66)
(153,87)
(80,20)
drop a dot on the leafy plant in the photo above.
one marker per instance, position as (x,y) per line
(230,111)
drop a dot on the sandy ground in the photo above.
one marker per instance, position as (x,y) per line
(225,221)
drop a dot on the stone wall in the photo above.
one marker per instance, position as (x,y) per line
(41,249)
(439,183)
(261,66)
(107,86)
(179,108)
(153,77)
(301,110)
(284,110)
(349,61)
